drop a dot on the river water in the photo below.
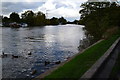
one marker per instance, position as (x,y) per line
(48,43)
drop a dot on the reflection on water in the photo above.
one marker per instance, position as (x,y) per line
(46,44)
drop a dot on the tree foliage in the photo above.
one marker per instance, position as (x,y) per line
(99,16)
(54,21)
(39,18)
(6,19)
(33,19)
(62,20)
(28,17)
(14,17)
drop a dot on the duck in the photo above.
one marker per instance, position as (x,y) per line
(3,55)
(30,53)
(58,62)
(13,56)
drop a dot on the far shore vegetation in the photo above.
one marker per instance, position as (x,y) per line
(34,19)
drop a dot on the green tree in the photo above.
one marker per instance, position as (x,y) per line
(62,20)
(40,18)
(47,22)
(75,21)
(90,7)
(14,17)
(5,19)
(28,17)
(54,21)
(98,17)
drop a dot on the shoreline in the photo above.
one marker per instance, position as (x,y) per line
(87,61)
(57,66)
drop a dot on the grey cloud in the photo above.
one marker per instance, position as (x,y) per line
(8,7)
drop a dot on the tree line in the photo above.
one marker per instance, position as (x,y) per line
(33,19)
(100,17)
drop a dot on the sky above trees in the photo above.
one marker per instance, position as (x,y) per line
(53,8)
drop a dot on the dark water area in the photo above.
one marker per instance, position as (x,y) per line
(35,46)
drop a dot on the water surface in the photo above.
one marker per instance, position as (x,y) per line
(48,43)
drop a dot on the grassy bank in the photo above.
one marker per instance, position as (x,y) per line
(81,63)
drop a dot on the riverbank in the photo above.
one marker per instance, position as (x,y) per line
(75,68)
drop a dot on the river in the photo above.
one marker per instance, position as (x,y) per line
(48,43)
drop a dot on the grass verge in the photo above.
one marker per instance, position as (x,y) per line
(75,68)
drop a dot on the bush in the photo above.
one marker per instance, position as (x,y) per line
(109,32)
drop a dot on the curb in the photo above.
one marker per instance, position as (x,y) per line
(90,73)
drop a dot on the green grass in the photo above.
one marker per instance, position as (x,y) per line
(81,63)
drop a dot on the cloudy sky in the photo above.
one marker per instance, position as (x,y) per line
(54,8)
